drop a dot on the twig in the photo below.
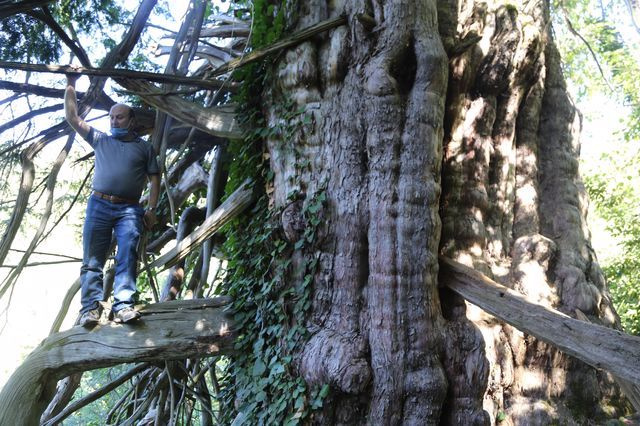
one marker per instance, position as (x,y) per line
(48,254)
(53,262)
(586,43)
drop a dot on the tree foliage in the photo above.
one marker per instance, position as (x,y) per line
(613,190)
(601,52)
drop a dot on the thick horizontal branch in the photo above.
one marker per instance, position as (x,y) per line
(13,8)
(598,346)
(172,330)
(232,207)
(114,73)
(217,121)
(292,40)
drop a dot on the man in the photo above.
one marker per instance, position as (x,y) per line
(123,162)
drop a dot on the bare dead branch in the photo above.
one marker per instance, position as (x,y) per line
(156,245)
(64,306)
(292,40)
(214,189)
(29,115)
(577,338)
(232,207)
(191,217)
(217,121)
(43,253)
(73,202)
(104,102)
(28,265)
(114,73)
(50,186)
(64,394)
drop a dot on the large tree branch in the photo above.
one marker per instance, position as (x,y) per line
(232,207)
(13,8)
(218,121)
(598,346)
(117,73)
(115,56)
(104,102)
(292,40)
(172,330)
(29,115)
(46,18)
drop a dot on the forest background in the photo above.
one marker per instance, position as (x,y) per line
(600,46)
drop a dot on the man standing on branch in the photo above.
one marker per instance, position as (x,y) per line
(123,162)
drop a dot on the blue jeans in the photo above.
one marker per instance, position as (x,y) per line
(101,219)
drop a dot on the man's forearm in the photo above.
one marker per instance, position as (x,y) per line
(154,190)
(70,103)
(71,109)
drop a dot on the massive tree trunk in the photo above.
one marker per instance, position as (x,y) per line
(452,113)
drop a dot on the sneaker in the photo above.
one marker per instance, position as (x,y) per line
(90,318)
(126,315)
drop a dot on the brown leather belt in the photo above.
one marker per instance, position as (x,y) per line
(114,198)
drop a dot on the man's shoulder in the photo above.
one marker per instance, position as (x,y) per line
(94,136)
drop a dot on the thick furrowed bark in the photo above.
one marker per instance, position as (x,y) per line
(173,330)
(405,103)
(376,103)
(513,209)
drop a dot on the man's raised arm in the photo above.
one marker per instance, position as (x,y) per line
(71,108)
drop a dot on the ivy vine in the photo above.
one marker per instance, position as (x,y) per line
(260,384)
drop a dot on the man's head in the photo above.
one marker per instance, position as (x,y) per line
(121,116)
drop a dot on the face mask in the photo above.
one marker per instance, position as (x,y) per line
(119,133)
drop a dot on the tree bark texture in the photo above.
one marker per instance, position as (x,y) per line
(513,207)
(404,137)
(376,104)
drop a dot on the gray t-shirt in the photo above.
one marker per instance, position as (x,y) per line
(121,166)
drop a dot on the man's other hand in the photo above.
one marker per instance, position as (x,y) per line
(73,77)
(150,219)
